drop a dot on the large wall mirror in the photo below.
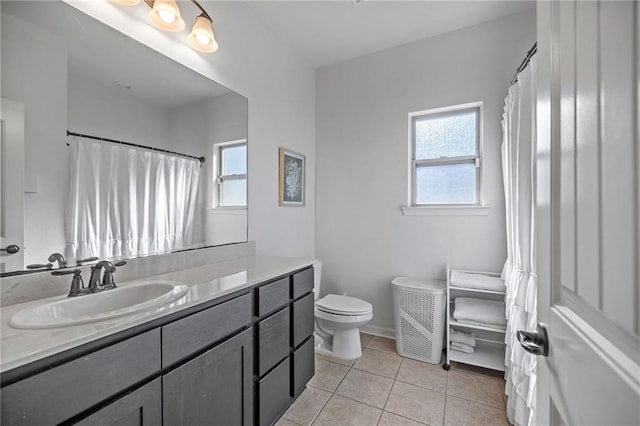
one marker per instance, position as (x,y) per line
(77,96)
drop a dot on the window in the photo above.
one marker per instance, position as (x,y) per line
(231,174)
(446,154)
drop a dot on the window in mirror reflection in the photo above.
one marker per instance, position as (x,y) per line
(231,176)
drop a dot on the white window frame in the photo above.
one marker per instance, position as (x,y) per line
(218,148)
(448,208)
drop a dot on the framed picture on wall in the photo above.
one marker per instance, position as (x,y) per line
(292,171)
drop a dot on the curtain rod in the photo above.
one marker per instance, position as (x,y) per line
(81,135)
(525,62)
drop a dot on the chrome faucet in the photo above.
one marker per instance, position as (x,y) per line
(57,257)
(107,278)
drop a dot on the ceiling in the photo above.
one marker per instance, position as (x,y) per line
(331,31)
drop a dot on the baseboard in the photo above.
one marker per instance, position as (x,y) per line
(379,331)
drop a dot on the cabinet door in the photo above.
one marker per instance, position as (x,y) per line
(303,367)
(214,388)
(141,407)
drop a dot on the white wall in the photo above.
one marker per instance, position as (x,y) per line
(39,81)
(362,155)
(254,62)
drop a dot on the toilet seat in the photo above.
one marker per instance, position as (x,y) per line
(336,304)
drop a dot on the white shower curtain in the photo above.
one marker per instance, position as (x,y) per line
(126,202)
(519,273)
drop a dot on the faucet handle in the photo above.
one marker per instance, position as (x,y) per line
(77,285)
(40,266)
(87,260)
(107,279)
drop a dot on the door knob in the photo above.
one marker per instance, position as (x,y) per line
(11,249)
(536,343)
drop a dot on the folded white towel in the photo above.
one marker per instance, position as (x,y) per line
(461,347)
(479,281)
(481,311)
(462,337)
(482,324)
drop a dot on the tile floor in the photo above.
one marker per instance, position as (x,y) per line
(383,388)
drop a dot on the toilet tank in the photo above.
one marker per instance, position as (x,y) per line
(317,275)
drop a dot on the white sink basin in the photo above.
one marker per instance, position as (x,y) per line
(99,306)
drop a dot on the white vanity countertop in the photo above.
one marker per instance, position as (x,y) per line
(20,347)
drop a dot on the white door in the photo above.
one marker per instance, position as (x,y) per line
(11,185)
(588,209)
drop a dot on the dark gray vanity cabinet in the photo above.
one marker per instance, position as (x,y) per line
(284,325)
(214,388)
(187,367)
(238,361)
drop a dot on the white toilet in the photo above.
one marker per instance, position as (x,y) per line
(338,320)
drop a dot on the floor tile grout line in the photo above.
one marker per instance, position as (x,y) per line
(386,401)
(320,410)
(477,402)
(360,402)
(383,351)
(374,373)
(404,417)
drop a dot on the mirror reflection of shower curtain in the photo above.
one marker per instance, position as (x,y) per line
(126,202)
(519,273)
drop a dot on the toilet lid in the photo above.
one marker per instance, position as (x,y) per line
(343,304)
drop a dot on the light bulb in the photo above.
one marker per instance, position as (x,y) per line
(202,38)
(166,16)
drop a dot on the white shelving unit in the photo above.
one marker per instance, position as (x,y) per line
(490,346)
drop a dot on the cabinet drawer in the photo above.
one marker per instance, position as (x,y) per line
(64,391)
(273,340)
(303,367)
(273,394)
(302,283)
(272,296)
(188,335)
(302,319)
(142,407)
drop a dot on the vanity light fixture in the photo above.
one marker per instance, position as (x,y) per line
(201,37)
(165,14)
